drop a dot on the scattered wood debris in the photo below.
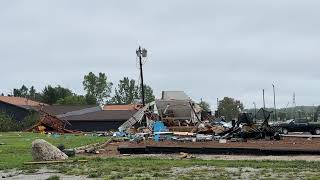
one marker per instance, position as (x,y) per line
(53,162)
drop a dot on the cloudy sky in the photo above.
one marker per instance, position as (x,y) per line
(208,48)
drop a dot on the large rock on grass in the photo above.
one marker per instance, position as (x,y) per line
(44,151)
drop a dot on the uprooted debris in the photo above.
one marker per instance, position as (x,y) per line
(93,148)
(44,151)
(207,128)
(184,155)
(175,117)
(51,123)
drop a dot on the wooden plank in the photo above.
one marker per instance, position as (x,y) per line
(53,162)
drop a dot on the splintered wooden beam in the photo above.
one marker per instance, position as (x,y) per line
(53,162)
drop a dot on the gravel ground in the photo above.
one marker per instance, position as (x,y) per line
(41,174)
(231,157)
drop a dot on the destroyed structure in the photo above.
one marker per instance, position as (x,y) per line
(175,109)
(176,117)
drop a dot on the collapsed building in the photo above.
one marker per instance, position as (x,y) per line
(175,109)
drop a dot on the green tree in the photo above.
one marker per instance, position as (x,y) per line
(229,108)
(25,92)
(51,95)
(126,92)
(22,92)
(97,86)
(90,99)
(77,100)
(32,93)
(72,100)
(204,105)
(148,94)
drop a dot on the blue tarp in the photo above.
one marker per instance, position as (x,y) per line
(158,126)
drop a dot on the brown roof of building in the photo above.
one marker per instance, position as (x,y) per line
(19,101)
(122,107)
(62,109)
(106,115)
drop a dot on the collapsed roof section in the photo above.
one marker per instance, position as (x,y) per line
(174,106)
(58,122)
(175,95)
(50,123)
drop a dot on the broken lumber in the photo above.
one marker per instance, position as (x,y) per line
(99,146)
(53,162)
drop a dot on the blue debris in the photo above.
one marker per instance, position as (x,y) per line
(158,126)
(119,134)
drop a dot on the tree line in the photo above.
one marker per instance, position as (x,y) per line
(98,91)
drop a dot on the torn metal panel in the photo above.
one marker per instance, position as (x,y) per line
(80,112)
(136,118)
(175,95)
(178,110)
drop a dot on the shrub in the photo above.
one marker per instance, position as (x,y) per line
(7,123)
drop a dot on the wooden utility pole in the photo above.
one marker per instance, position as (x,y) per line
(264,102)
(274,103)
(141,53)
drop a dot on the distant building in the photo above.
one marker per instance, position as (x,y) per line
(93,118)
(17,107)
(83,118)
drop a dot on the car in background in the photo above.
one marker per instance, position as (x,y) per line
(299,125)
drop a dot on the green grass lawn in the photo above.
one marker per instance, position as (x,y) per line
(156,168)
(17,147)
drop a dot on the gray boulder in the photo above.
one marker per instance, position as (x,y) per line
(44,151)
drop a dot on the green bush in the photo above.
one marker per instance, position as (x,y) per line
(7,123)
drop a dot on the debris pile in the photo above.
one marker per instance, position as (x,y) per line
(176,117)
(50,123)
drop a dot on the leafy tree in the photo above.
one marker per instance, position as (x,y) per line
(51,95)
(25,92)
(77,100)
(72,100)
(126,92)
(148,94)
(32,93)
(230,108)
(2,94)
(97,86)
(204,105)
(22,92)
(90,99)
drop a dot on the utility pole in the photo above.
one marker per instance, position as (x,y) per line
(274,103)
(255,110)
(294,105)
(141,52)
(264,102)
(217,107)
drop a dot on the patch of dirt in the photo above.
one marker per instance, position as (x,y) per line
(286,143)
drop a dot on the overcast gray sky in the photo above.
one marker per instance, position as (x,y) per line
(208,48)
